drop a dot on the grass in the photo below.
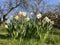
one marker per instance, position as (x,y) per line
(53,39)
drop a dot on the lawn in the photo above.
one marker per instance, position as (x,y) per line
(53,39)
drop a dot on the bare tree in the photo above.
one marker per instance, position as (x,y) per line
(17,3)
(36,8)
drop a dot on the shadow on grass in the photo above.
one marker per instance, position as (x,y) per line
(4,36)
(55,33)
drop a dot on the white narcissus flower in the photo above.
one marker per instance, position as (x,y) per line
(31,13)
(52,22)
(24,14)
(16,17)
(6,26)
(27,19)
(20,12)
(39,15)
(11,16)
(47,19)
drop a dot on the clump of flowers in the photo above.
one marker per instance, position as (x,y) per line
(47,19)
(31,28)
(22,13)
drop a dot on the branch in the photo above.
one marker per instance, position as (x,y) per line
(4,17)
